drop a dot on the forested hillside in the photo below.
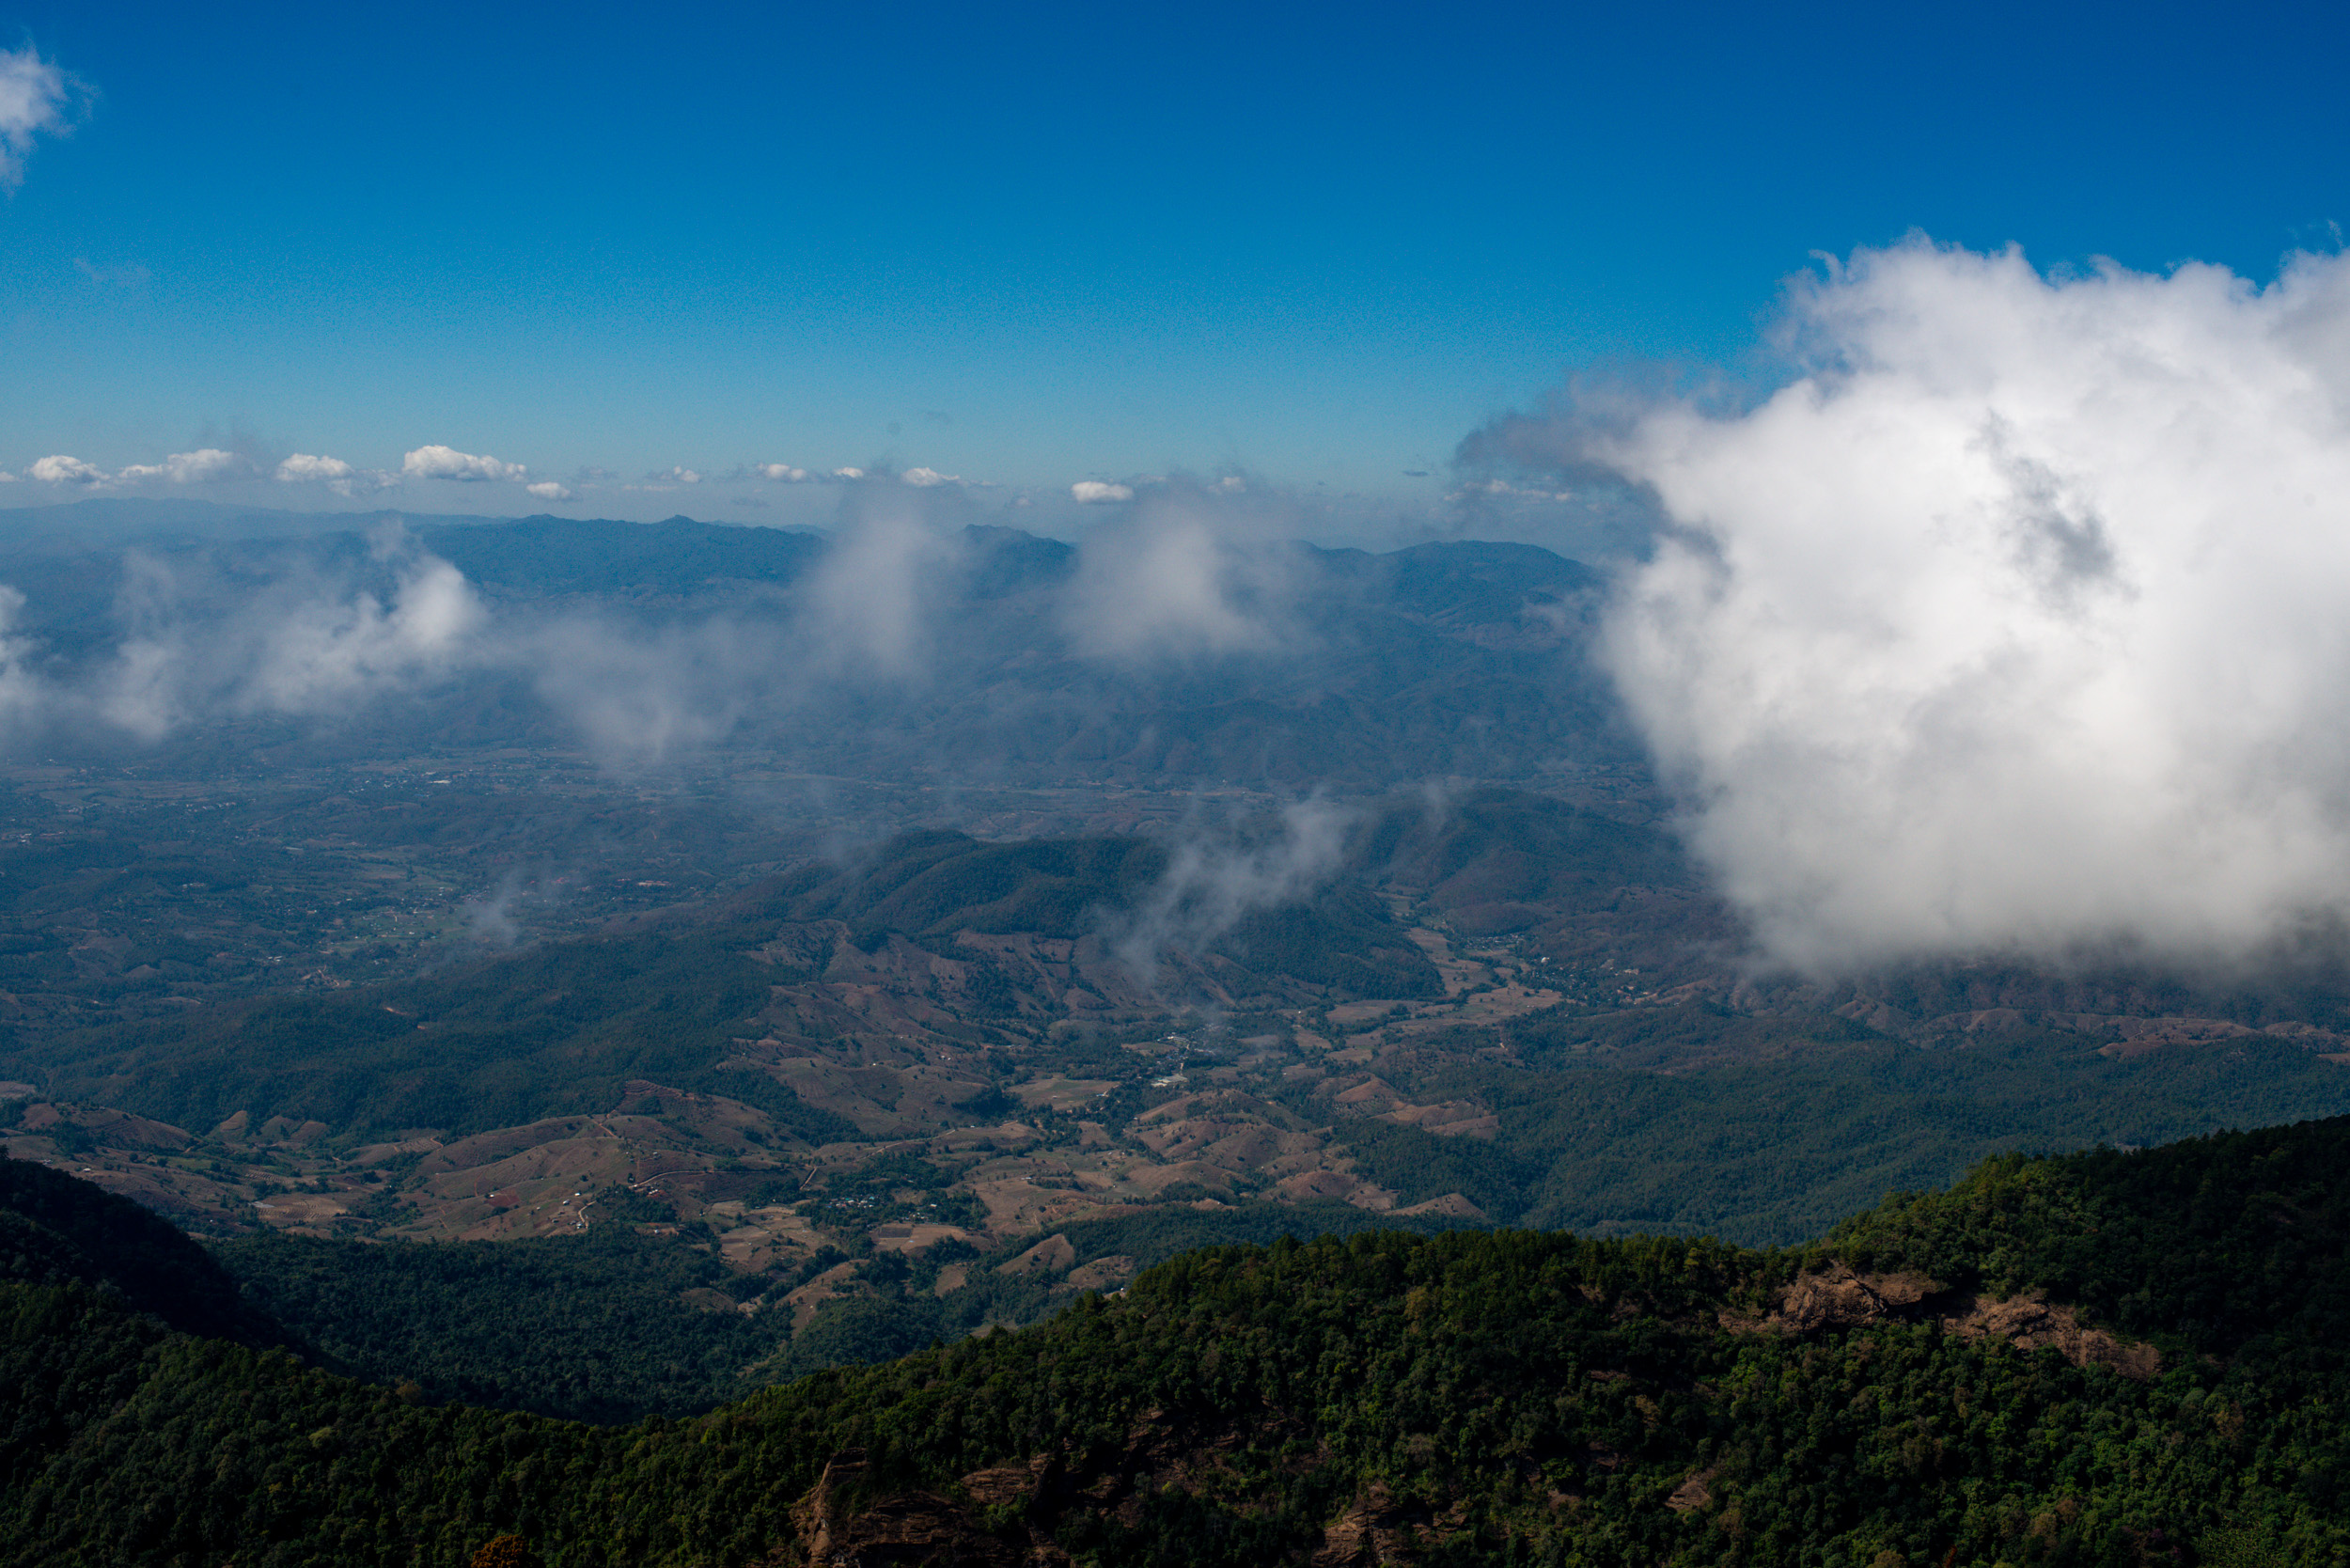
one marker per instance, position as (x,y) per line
(2103,1358)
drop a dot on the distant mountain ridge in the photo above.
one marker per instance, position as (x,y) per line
(1460,659)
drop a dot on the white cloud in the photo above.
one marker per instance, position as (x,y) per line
(2017,623)
(925,477)
(1503,487)
(871,598)
(1179,576)
(547,490)
(337,476)
(1209,886)
(848,473)
(781,472)
(206,465)
(301,467)
(6,478)
(22,693)
(639,694)
(1094,493)
(292,647)
(60,469)
(446,462)
(35,99)
(674,476)
(333,653)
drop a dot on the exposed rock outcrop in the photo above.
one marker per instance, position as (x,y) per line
(837,1528)
(2030,1323)
(1837,1297)
(1376,1528)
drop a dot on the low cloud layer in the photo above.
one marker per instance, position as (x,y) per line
(2015,621)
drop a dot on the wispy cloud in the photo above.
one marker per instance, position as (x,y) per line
(1186,572)
(868,601)
(1213,882)
(129,277)
(37,98)
(205,465)
(296,647)
(341,478)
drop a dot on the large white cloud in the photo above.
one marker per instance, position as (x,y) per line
(60,469)
(36,99)
(2017,622)
(1096,492)
(446,462)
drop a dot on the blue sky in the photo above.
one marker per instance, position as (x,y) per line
(1037,245)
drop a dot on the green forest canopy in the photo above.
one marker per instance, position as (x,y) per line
(1505,1397)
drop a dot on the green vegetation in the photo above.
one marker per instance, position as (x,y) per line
(1489,858)
(613,1325)
(58,1231)
(904,1311)
(1343,940)
(556,1031)
(929,885)
(2235,1245)
(607,1326)
(1464,1398)
(935,884)
(1786,1132)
